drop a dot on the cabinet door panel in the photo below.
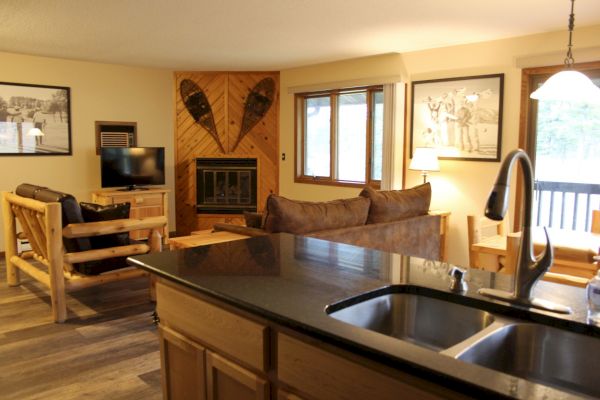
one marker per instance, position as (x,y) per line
(228,381)
(183,367)
(231,334)
(324,375)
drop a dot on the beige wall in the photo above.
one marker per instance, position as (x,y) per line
(462,186)
(98,92)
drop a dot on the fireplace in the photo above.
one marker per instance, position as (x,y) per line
(225,185)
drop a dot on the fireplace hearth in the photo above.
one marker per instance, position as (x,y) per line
(225,185)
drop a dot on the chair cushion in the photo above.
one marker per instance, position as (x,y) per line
(28,190)
(298,217)
(394,205)
(71,213)
(95,212)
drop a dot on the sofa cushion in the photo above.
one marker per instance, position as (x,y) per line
(416,236)
(394,205)
(95,212)
(298,217)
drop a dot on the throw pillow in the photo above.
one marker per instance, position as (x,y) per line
(394,205)
(299,217)
(96,212)
(253,219)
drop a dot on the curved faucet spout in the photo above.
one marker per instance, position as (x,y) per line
(529,268)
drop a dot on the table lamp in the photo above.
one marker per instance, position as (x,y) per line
(424,159)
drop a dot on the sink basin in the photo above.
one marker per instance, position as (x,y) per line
(543,354)
(425,321)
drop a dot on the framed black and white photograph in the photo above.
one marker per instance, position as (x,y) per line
(34,119)
(460,117)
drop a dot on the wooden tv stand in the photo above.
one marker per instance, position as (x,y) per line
(144,203)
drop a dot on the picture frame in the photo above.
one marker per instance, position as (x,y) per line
(35,120)
(460,117)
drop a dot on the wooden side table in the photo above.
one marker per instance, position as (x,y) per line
(203,238)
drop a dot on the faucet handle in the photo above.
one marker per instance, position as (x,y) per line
(458,283)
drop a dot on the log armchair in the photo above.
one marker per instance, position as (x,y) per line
(60,243)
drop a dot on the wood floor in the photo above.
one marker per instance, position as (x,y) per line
(107,349)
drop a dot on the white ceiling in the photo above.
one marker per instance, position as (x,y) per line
(267,34)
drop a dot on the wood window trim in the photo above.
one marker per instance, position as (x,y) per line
(300,144)
(527,120)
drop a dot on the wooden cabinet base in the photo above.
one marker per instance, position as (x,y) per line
(183,366)
(214,350)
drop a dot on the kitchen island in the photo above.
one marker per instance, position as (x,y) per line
(247,319)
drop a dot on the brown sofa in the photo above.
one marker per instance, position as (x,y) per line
(395,221)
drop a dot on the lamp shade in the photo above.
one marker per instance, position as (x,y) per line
(568,85)
(424,159)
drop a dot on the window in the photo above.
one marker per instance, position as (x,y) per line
(340,137)
(563,141)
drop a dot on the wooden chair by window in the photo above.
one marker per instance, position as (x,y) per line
(480,229)
(48,262)
(552,275)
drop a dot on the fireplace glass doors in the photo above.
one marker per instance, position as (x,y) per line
(225,185)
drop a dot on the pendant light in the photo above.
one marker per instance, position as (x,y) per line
(568,85)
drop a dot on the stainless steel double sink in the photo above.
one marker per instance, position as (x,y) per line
(535,352)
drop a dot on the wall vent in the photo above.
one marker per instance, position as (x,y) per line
(115,134)
(115,139)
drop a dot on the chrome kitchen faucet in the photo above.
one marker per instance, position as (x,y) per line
(529,268)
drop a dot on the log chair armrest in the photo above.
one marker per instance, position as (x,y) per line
(109,252)
(87,229)
(241,230)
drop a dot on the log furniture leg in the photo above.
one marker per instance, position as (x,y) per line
(155,242)
(55,262)
(10,233)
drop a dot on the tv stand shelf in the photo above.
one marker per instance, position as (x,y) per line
(144,203)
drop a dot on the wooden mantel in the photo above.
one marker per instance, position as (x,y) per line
(227,93)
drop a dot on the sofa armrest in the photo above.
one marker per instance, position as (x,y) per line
(444,228)
(240,230)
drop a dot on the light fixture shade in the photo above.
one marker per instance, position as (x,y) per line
(35,132)
(568,85)
(424,159)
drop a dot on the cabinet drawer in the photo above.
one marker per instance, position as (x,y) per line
(206,323)
(324,375)
(134,200)
(147,200)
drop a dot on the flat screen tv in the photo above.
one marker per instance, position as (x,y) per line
(132,167)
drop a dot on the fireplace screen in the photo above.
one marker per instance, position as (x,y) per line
(225,185)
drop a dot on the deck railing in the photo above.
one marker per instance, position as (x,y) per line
(565,205)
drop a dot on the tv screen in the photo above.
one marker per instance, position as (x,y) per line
(132,166)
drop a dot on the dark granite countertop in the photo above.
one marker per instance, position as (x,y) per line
(291,279)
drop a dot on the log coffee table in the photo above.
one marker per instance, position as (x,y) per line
(203,238)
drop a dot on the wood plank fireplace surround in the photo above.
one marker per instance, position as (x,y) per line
(227,146)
